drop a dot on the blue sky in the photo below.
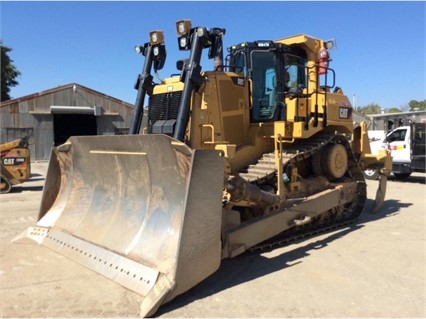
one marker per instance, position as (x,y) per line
(380,55)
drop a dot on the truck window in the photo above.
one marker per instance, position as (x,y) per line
(396,136)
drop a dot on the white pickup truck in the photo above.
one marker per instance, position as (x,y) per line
(407,147)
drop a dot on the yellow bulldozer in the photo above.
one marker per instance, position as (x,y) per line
(261,149)
(15,163)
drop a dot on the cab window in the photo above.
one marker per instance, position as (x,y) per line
(264,84)
(295,76)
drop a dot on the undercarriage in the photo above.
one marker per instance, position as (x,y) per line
(324,188)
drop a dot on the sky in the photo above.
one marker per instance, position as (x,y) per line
(380,54)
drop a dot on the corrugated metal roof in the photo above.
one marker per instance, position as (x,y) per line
(61,88)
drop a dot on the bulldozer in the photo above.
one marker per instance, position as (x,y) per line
(15,163)
(258,151)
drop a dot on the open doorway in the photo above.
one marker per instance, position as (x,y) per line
(66,125)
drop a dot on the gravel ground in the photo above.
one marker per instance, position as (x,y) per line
(374,268)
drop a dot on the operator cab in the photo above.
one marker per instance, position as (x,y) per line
(276,71)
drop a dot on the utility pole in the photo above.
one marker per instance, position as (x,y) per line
(355,101)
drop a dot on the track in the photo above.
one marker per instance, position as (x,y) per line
(303,151)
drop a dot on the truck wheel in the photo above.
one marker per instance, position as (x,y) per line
(372,173)
(401,175)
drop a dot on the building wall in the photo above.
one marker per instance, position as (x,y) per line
(32,115)
(388,122)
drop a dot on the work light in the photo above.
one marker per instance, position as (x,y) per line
(183,27)
(156,37)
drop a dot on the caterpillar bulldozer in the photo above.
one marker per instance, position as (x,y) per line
(260,150)
(15,163)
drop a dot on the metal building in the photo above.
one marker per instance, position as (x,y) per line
(53,115)
(359,117)
(389,121)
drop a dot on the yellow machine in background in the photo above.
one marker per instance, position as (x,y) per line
(15,163)
(259,151)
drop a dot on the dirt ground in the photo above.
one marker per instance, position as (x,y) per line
(374,268)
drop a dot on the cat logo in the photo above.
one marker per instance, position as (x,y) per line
(10,161)
(345,113)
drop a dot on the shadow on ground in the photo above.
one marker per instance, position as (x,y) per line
(250,266)
(27,185)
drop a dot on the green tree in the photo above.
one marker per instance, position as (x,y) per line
(393,110)
(417,105)
(9,73)
(371,108)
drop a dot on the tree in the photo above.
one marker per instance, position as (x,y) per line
(417,105)
(9,73)
(393,110)
(371,108)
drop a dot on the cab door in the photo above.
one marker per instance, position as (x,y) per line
(398,142)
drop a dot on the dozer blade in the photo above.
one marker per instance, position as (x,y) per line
(143,210)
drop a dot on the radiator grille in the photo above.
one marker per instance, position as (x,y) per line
(163,107)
